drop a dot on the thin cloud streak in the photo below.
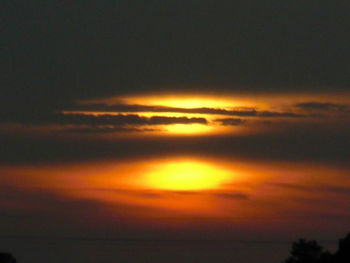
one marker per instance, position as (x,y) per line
(230,121)
(110,119)
(323,106)
(315,188)
(239,111)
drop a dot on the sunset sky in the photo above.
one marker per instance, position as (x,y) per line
(173,131)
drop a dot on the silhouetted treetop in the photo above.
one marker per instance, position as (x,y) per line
(311,252)
(343,253)
(305,252)
(7,258)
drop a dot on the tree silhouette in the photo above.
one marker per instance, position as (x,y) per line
(343,253)
(311,252)
(7,258)
(305,252)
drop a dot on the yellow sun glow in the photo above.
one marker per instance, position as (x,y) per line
(167,103)
(186,102)
(186,175)
(188,128)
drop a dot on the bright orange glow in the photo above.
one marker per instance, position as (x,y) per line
(180,102)
(175,190)
(186,101)
(186,175)
(188,128)
(177,101)
(190,102)
(261,101)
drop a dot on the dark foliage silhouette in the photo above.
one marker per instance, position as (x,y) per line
(7,258)
(304,251)
(343,253)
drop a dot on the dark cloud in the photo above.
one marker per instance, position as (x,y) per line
(108,119)
(171,120)
(145,108)
(330,144)
(233,195)
(323,106)
(264,122)
(280,114)
(235,111)
(230,122)
(185,192)
(122,119)
(58,51)
(103,129)
(140,193)
(316,188)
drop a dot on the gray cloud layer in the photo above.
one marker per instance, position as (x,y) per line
(57,52)
(323,106)
(108,119)
(244,112)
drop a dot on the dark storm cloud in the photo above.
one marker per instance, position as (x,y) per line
(54,52)
(324,106)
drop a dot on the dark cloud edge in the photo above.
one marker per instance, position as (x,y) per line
(235,111)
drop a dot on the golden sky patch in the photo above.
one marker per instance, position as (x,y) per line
(186,175)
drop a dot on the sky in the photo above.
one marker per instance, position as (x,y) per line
(177,131)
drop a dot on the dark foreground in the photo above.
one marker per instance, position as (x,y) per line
(302,251)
